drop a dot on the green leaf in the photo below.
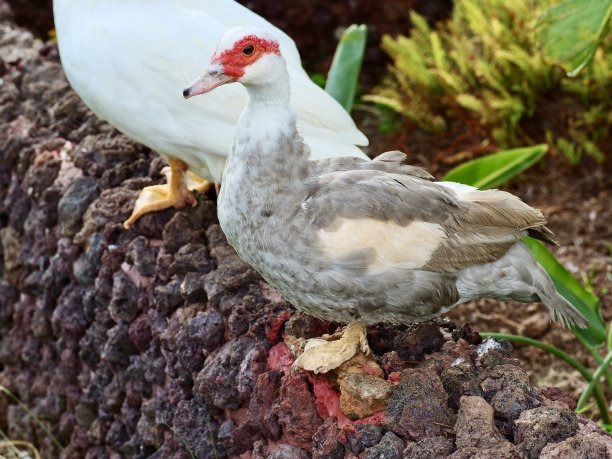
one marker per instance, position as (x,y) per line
(343,75)
(569,32)
(572,291)
(494,169)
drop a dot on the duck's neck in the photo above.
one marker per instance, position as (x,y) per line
(267,146)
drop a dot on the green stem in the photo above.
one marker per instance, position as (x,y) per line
(598,373)
(586,374)
(597,357)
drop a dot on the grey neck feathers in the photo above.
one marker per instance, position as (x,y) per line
(267,141)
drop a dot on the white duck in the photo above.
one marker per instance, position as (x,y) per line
(128,60)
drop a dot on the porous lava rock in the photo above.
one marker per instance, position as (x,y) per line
(536,428)
(159,342)
(475,425)
(419,406)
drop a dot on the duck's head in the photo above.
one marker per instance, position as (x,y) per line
(246,55)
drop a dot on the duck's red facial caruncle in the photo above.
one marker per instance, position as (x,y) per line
(245,52)
(231,60)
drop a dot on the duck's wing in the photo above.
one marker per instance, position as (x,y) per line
(391,161)
(409,223)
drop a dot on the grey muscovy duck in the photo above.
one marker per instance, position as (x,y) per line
(354,241)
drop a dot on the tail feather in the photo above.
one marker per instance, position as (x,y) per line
(542,233)
(563,312)
(559,308)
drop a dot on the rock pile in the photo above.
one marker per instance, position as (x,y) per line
(160,342)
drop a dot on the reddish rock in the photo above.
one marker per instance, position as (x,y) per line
(418,406)
(261,415)
(557,397)
(325,444)
(139,332)
(296,409)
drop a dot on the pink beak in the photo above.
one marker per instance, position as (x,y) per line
(212,78)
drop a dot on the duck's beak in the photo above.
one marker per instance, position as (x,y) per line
(212,78)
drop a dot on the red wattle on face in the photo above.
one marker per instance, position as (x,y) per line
(235,60)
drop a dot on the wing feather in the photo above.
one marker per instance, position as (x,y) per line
(467,227)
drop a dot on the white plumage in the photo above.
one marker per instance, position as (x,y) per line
(130,59)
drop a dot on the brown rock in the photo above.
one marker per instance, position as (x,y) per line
(363,395)
(461,378)
(503,451)
(536,428)
(390,447)
(475,425)
(229,375)
(429,448)
(301,325)
(418,406)
(558,398)
(416,341)
(508,391)
(581,446)
(284,451)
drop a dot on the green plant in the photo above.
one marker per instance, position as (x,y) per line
(497,168)
(343,77)
(485,63)
(493,170)
(571,31)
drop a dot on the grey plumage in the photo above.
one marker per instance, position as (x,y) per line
(350,240)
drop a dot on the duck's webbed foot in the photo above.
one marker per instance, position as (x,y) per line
(321,356)
(176,193)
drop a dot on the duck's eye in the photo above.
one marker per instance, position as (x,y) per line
(248,50)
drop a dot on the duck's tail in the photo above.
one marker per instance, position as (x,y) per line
(559,308)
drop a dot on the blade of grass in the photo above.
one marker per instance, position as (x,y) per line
(586,374)
(343,77)
(494,169)
(5,443)
(39,421)
(586,393)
